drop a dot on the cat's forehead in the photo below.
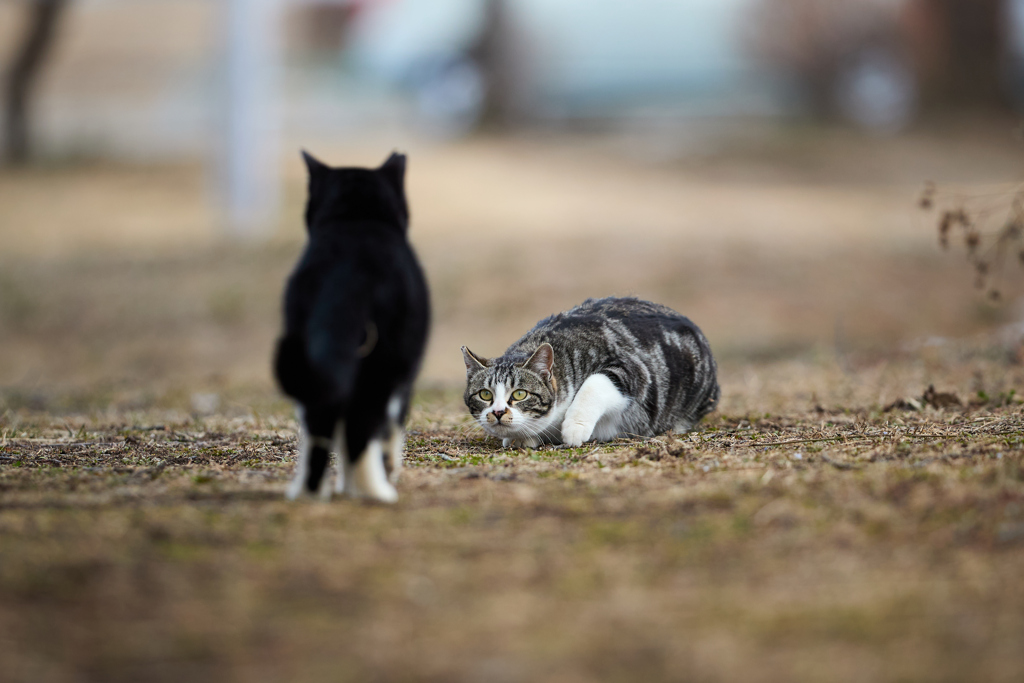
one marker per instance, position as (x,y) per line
(510,373)
(503,372)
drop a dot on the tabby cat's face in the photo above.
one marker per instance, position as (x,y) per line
(509,399)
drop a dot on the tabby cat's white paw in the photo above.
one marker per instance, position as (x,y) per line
(506,442)
(575,433)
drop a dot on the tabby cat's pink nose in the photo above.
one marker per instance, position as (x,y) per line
(499,413)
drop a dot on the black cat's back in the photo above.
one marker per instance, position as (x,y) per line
(356,322)
(329,302)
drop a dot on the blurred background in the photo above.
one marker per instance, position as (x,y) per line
(755,164)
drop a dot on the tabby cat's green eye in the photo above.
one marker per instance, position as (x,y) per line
(485,395)
(518,395)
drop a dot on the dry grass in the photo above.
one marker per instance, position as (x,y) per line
(803,533)
(841,544)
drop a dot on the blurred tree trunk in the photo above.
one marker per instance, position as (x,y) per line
(24,74)
(503,58)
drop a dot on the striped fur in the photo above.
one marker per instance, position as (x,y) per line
(660,374)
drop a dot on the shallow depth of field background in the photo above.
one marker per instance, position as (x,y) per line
(775,223)
(755,164)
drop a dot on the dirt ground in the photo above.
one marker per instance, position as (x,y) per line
(833,520)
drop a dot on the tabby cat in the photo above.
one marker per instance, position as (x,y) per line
(356,317)
(604,369)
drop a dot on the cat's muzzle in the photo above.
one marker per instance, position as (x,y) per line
(499,419)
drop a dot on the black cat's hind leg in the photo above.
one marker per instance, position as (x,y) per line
(366,436)
(341,462)
(394,446)
(315,445)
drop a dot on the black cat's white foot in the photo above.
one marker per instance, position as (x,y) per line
(298,481)
(298,487)
(341,464)
(394,446)
(368,478)
(394,449)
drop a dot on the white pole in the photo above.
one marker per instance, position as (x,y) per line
(249,145)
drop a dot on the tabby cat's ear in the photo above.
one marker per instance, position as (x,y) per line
(542,360)
(473,362)
(393,171)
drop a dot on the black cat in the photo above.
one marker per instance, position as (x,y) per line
(356,317)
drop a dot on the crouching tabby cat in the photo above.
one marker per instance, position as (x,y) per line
(356,317)
(604,369)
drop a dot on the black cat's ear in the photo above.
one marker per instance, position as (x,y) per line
(542,360)
(314,165)
(317,174)
(393,171)
(473,362)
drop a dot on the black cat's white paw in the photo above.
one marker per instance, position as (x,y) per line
(368,479)
(297,489)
